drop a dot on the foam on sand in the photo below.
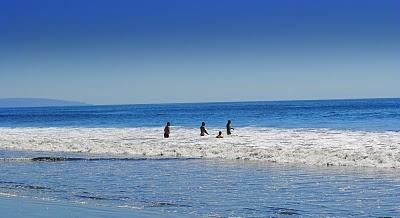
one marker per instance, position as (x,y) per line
(299,146)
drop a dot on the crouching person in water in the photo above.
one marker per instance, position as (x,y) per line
(167,130)
(203,129)
(219,136)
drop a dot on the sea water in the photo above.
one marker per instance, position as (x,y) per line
(291,158)
(367,114)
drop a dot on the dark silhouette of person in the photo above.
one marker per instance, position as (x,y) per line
(219,136)
(203,129)
(167,130)
(229,128)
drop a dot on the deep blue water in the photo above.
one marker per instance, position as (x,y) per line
(365,114)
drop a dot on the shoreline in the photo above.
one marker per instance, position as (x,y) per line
(202,187)
(14,206)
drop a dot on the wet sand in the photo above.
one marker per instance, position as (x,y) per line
(22,207)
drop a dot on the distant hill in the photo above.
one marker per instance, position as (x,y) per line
(37,102)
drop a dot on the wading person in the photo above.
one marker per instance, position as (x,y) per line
(167,130)
(229,127)
(203,129)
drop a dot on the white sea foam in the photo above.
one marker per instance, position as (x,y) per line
(4,194)
(299,146)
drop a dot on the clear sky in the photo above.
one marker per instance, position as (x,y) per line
(142,51)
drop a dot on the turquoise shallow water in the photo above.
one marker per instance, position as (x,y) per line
(200,187)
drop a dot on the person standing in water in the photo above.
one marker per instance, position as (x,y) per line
(203,129)
(167,130)
(229,128)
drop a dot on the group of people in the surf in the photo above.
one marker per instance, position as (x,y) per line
(203,130)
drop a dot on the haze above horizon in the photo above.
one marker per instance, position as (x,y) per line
(154,51)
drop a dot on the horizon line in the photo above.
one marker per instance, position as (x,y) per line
(86,104)
(244,101)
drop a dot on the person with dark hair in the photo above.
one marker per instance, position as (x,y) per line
(203,129)
(167,130)
(219,136)
(229,128)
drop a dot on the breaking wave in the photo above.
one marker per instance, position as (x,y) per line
(298,146)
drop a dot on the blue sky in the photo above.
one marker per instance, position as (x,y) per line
(142,51)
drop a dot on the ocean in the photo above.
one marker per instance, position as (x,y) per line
(325,158)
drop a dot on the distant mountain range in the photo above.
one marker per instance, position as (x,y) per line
(37,102)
